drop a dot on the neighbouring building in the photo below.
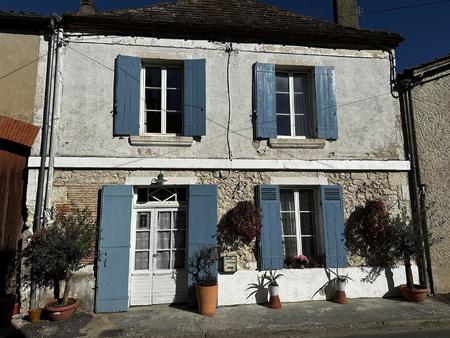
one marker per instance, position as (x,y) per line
(426,109)
(19,102)
(231,101)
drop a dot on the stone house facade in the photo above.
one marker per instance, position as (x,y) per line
(426,105)
(228,110)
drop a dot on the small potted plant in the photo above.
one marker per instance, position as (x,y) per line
(54,253)
(340,284)
(201,267)
(274,289)
(300,261)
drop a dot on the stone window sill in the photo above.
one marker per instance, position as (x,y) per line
(308,143)
(161,141)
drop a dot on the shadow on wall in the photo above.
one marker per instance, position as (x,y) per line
(258,290)
(375,272)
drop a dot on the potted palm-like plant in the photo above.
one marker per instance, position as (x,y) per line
(54,253)
(201,267)
(274,289)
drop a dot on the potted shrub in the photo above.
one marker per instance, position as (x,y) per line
(340,284)
(274,289)
(382,239)
(7,285)
(201,267)
(54,253)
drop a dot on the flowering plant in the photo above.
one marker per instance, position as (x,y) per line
(301,261)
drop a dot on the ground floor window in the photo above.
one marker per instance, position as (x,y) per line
(301,236)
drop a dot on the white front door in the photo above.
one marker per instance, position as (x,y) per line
(158,264)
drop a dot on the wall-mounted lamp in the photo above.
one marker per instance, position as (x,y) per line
(160,180)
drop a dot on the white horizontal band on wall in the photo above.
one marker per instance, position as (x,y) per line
(220,164)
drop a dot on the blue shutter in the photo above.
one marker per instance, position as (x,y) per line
(127,90)
(327,124)
(202,224)
(264,100)
(114,249)
(194,114)
(270,245)
(333,222)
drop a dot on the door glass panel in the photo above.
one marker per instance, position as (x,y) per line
(143,221)
(141,260)
(153,77)
(284,125)
(180,219)
(306,200)
(288,220)
(174,77)
(179,239)
(282,84)
(287,200)
(283,105)
(290,246)
(153,123)
(307,225)
(163,240)
(308,247)
(178,259)
(300,83)
(164,220)
(163,260)
(143,240)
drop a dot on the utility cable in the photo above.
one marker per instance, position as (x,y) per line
(228,50)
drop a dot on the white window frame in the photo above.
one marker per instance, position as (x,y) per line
(142,117)
(292,101)
(298,234)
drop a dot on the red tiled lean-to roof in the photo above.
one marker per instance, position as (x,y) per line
(229,20)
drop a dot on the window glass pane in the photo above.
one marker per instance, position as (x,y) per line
(301,102)
(302,125)
(164,220)
(180,219)
(163,260)
(163,241)
(282,82)
(307,223)
(288,223)
(153,124)
(163,195)
(181,194)
(174,122)
(143,221)
(141,260)
(283,105)
(283,125)
(174,99)
(142,240)
(142,195)
(174,78)
(153,99)
(179,259)
(152,77)
(309,246)
(179,239)
(301,83)
(306,200)
(290,246)
(287,200)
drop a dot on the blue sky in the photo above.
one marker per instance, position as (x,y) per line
(425,27)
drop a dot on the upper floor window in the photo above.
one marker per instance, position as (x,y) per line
(162,111)
(293,104)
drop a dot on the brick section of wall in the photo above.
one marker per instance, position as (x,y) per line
(18,131)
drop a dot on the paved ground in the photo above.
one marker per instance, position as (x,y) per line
(305,319)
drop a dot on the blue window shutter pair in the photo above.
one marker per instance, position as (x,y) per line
(127,91)
(114,248)
(270,245)
(333,222)
(202,225)
(264,102)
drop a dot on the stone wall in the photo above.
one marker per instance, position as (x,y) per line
(431,105)
(81,188)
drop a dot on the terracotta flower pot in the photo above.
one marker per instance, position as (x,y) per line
(207,299)
(274,300)
(57,312)
(417,294)
(35,315)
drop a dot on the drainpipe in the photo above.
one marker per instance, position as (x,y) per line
(43,150)
(406,106)
(56,109)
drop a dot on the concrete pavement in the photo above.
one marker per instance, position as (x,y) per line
(305,319)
